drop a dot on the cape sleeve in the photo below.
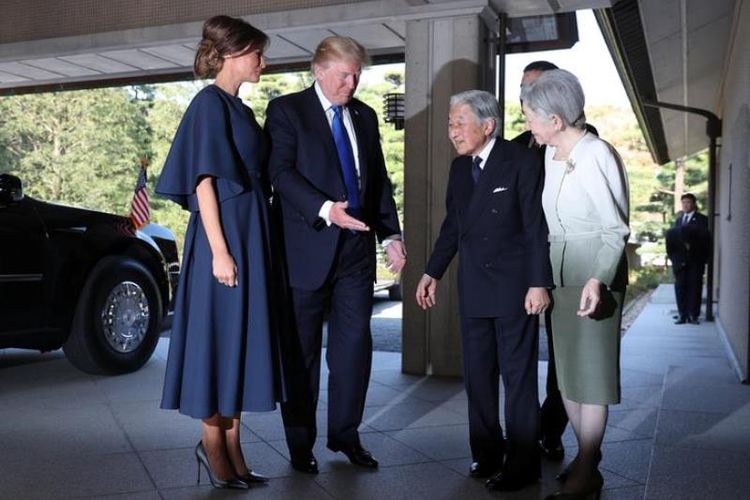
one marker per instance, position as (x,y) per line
(203,146)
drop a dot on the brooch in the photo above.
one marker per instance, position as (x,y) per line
(570,165)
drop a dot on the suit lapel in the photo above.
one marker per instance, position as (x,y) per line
(359,132)
(495,164)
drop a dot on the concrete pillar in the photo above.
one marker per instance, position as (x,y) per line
(443,56)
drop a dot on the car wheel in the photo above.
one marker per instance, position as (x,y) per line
(117,320)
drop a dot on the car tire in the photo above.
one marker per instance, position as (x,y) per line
(117,320)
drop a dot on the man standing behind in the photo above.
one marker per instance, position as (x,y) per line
(327,165)
(688,248)
(494,220)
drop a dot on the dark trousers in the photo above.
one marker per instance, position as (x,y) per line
(347,294)
(553,416)
(507,346)
(688,288)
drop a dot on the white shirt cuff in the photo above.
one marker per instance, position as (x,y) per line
(390,239)
(325,212)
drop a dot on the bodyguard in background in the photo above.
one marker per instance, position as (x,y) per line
(688,244)
(494,221)
(335,198)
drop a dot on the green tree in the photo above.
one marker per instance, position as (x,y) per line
(80,147)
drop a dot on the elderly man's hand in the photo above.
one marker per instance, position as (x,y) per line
(426,292)
(537,300)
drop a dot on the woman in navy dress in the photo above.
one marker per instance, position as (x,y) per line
(223,354)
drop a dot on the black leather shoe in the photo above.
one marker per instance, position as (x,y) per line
(552,450)
(356,455)
(509,482)
(483,469)
(680,321)
(306,464)
(694,321)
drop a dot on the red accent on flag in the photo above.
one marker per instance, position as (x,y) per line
(140,212)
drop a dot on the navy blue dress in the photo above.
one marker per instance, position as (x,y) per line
(223,354)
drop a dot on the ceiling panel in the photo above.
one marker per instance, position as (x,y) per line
(281,49)
(372,36)
(139,59)
(99,63)
(26,71)
(398,27)
(309,39)
(59,66)
(177,54)
(10,78)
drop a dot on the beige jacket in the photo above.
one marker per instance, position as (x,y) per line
(586,205)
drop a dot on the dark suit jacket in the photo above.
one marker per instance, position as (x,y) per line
(499,230)
(690,243)
(304,170)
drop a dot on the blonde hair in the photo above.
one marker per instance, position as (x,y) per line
(339,48)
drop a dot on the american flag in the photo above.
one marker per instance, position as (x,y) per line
(140,213)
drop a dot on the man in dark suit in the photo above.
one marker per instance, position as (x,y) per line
(494,220)
(327,166)
(553,417)
(688,243)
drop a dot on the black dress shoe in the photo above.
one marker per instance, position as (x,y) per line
(356,455)
(694,321)
(503,481)
(306,464)
(483,469)
(680,321)
(552,450)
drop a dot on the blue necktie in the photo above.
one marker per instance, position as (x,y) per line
(476,170)
(346,158)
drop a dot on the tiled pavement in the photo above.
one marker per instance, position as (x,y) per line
(681,432)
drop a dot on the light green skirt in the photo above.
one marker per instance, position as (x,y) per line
(587,350)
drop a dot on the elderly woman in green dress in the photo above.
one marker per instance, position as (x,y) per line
(585,203)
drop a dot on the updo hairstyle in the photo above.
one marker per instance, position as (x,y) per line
(224,36)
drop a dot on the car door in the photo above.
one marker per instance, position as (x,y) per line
(23,244)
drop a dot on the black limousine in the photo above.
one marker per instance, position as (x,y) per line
(82,280)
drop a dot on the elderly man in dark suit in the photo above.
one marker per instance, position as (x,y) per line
(495,222)
(688,248)
(327,166)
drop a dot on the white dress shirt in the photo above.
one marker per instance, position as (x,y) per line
(325,210)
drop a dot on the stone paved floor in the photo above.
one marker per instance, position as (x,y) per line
(681,432)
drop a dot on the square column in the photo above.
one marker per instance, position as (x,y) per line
(443,57)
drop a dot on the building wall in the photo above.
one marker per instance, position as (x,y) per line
(733,249)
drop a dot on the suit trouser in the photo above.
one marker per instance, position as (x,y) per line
(348,295)
(553,416)
(507,346)
(688,288)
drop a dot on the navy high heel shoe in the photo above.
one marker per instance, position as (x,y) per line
(252,478)
(590,491)
(202,459)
